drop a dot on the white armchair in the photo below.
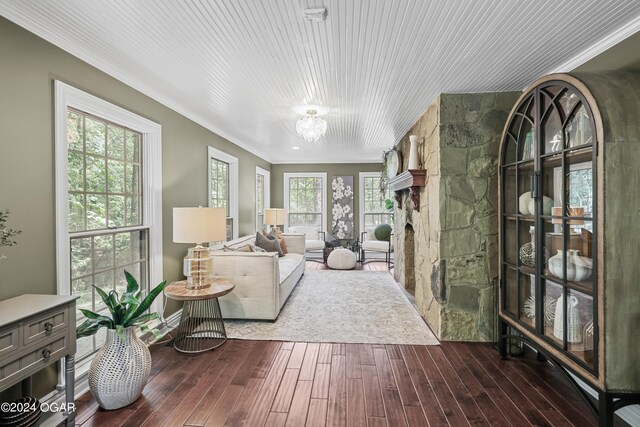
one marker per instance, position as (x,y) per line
(314,239)
(369,243)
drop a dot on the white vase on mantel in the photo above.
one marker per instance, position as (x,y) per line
(413,152)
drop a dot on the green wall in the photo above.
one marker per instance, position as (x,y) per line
(28,67)
(331,169)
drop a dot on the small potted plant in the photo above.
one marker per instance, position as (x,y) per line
(121,367)
(6,234)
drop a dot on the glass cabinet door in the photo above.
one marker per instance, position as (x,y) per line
(548,219)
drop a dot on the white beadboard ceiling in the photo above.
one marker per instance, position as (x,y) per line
(240,67)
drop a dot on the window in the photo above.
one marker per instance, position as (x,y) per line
(223,187)
(373,210)
(108,173)
(263,200)
(305,199)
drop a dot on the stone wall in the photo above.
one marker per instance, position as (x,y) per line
(456,229)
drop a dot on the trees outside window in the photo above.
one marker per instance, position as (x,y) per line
(305,199)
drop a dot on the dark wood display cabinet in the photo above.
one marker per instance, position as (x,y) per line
(569,201)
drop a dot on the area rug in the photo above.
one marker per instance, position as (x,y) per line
(341,307)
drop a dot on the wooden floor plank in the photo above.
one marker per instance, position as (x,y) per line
(317,416)
(324,356)
(353,361)
(355,403)
(393,407)
(466,402)
(276,419)
(415,416)
(234,358)
(308,369)
(374,405)
(224,406)
(366,355)
(300,404)
(337,405)
(482,399)
(297,355)
(447,401)
(385,373)
(282,401)
(260,410)
(241,409)
(408,394)
(377,422)
(264,365)
(321,380)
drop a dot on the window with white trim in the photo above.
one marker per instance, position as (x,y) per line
(263,200)
(373,208)
(305,199)
(223,187)
(108,217)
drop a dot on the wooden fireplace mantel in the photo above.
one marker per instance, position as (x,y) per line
(412,180)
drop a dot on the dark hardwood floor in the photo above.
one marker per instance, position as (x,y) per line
(266,383)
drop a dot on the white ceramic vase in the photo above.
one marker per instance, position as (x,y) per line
(574,329)
(413,152)
(523,203)
(547,204)
(555,266)
(583,266)
(120,370)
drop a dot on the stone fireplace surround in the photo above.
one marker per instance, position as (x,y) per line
(447,250)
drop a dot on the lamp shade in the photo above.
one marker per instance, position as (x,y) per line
(274,216)
(198,225)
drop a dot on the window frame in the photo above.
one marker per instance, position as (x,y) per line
(361,196)
(323,175)
(66,97)
(267,191)
(214,153)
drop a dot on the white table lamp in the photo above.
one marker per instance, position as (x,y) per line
(199,225)
(274,217)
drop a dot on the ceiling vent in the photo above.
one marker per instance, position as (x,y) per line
(315,15)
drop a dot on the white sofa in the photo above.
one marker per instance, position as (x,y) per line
(263,281)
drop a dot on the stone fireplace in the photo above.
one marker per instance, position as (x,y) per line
(447,251)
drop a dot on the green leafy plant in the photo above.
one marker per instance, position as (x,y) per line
(6,234)
(128,310)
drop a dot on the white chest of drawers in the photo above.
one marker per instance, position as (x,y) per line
(37,331)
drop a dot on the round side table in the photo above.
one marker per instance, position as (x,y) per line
(201,325)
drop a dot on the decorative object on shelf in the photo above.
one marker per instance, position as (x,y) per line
(583,266)
(121,367)
(393,163)
(574,329)
(547,205)
(549,308)
(311,127)
(342,210)
(413,152)
(574,211)
(199,225)
(587,335)
(579,268)
(528,251)
(274,217)
(6,234)
(523,203)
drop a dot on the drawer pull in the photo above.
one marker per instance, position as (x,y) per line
(48,327)
(46,353)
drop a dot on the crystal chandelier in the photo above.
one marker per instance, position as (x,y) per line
(310,127)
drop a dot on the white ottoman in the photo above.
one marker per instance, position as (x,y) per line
(341,259)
